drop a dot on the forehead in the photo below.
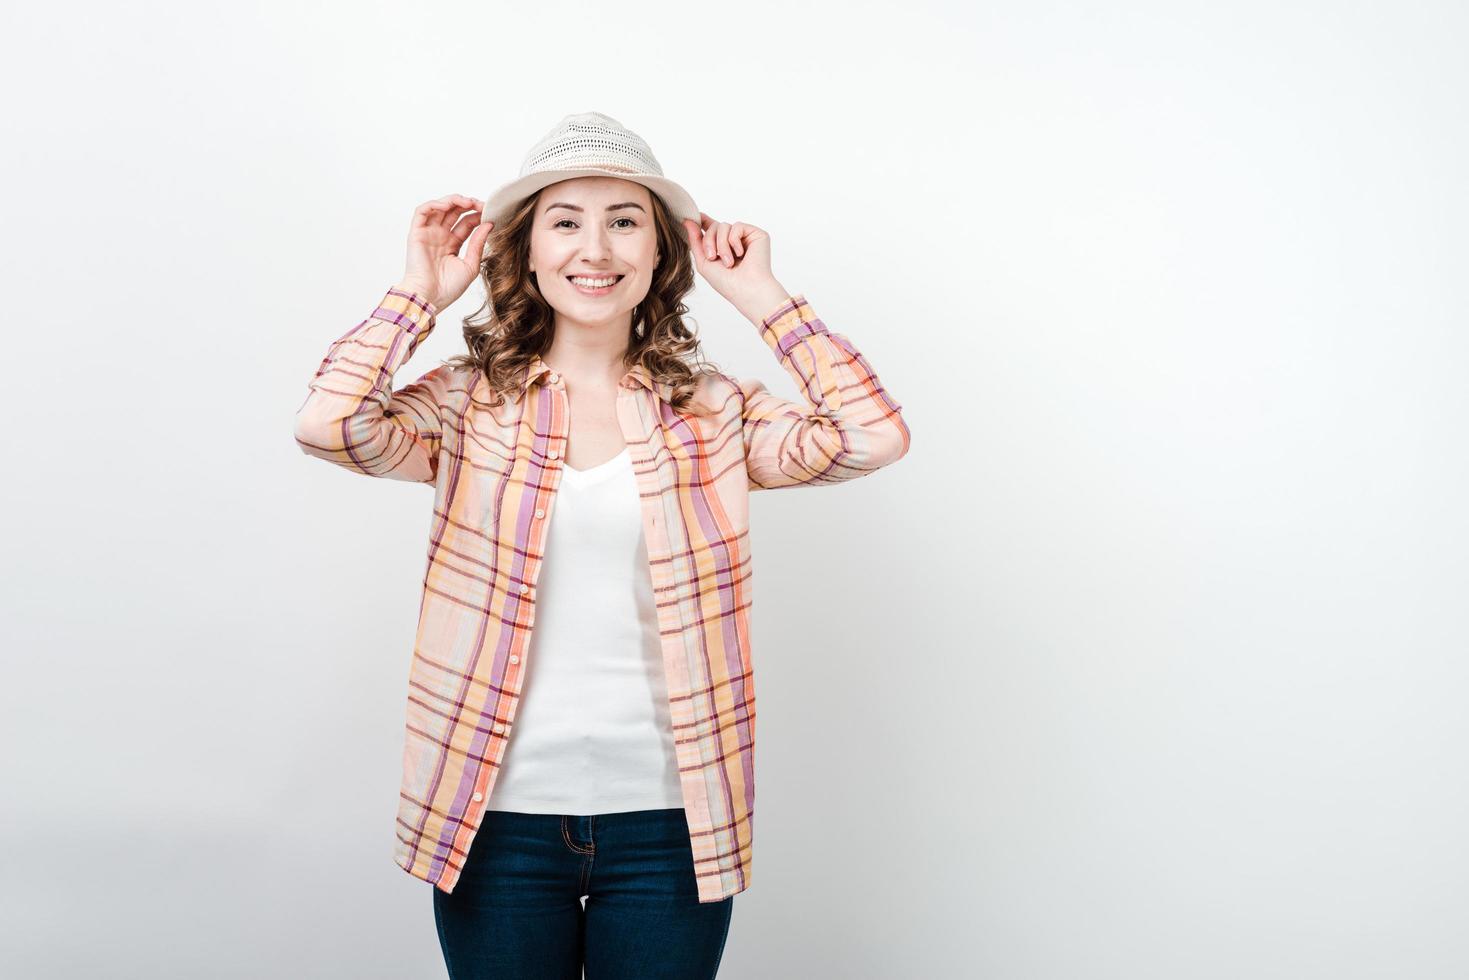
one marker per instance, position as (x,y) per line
(582,190)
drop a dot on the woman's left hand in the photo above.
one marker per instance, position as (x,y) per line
(735,260)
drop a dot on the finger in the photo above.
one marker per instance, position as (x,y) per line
(711,227)
(444,210)
(424,213)
(691,231)
(737,233)
(434,209)
(722,238)
(465,225)
(477,240)
(458,207)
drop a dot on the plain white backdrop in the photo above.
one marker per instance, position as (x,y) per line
(1148,661)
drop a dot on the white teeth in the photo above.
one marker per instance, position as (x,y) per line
(593,283)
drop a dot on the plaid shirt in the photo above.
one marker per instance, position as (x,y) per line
(495,473)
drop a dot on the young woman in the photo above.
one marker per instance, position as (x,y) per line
(581,704)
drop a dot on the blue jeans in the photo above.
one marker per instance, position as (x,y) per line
(516,910)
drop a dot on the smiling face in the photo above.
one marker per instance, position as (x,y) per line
(588,230)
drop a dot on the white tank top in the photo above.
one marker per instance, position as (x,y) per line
(592,732)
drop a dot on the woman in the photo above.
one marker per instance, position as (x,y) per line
(629,778)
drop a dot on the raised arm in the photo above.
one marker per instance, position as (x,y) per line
(352,416)
(848,425)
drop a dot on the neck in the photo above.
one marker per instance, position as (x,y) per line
(589,353)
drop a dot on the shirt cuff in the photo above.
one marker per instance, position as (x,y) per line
(411,311)
(789,323)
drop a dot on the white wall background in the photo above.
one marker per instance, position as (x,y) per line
(1151,654)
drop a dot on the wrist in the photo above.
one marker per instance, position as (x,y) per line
(422,290)
(763,301)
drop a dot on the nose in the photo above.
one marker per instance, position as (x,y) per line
(596,245)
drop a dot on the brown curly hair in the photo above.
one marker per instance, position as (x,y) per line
(516,324)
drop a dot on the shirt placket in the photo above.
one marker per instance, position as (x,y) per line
(639,415)
(551,438)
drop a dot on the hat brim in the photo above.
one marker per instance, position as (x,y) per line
(500,204)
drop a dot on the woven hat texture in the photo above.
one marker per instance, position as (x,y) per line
(588,144)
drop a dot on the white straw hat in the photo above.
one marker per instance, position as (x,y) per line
(588,144)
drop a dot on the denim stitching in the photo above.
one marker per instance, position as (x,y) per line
(591,854)
(566,836)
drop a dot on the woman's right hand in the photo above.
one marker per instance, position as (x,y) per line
(436,236)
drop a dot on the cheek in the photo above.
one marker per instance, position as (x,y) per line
(641,255)
(549,250)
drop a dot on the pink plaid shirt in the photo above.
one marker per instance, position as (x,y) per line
(495,473)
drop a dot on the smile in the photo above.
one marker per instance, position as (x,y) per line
(594,287)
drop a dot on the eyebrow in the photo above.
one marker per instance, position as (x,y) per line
(610,207)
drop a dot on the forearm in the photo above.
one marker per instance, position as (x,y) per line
(351,415)
(846,424)
(762,301)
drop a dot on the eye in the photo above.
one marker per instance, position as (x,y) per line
(567,221)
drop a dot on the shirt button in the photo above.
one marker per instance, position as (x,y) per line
(555,377)
(515,658)
(524,588)
(540,513)
(499,727)
(555,454)
(478,797)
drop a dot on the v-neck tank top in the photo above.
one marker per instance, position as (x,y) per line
(592,732)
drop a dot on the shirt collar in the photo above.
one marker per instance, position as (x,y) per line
(636,375)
